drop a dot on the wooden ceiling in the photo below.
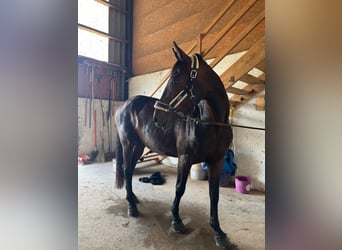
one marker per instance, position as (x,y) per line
(213,28)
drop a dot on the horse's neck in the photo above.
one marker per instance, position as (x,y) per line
(214,109)
(205,111)
(216,96)
(219,105)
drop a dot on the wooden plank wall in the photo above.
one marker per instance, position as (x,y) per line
(103,74)
(157,23)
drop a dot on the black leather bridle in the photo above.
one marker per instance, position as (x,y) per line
(175,102)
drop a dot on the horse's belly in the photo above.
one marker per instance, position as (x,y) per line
(160,143)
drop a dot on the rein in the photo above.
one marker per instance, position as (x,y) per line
(175,102)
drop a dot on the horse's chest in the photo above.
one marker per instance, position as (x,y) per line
(201,139)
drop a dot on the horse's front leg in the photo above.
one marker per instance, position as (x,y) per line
(214,172)
(182,174)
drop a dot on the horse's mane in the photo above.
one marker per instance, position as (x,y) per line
(199,56)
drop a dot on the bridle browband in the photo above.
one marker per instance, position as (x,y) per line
(175,102)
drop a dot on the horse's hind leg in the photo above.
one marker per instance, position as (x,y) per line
(214,172)
(131,155)
(182,175)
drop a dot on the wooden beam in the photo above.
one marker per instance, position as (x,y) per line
(260,103)
(199,43)
(262,77)
(257,20)
(237,100)
(252,80)
(239,38)
(236,40)
(237,91)
(244,64)
(91,61)
(217,18)
(155,32)
(110,5)
(261,66)
(100,33)
(229,25)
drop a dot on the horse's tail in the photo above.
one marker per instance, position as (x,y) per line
(119,175)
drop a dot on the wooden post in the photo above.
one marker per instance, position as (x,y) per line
(260,102)
(199,43)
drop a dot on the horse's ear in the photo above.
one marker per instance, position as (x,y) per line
(174,52)
(179,53)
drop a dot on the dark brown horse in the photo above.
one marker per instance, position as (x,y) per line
(190,122)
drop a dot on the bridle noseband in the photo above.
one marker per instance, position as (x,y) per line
(175,102)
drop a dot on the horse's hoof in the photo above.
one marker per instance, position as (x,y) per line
(222,242)
(133,212)
(177,227)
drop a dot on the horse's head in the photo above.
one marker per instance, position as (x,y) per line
(182,92)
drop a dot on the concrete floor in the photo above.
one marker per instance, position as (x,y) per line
(103,222)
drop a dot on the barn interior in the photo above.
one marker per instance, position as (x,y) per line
(133,57)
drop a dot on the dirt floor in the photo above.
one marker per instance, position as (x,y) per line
(103,222)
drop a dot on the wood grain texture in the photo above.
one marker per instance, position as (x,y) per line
(239,25)
(157,23)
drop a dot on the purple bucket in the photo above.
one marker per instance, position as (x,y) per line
(243,184)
